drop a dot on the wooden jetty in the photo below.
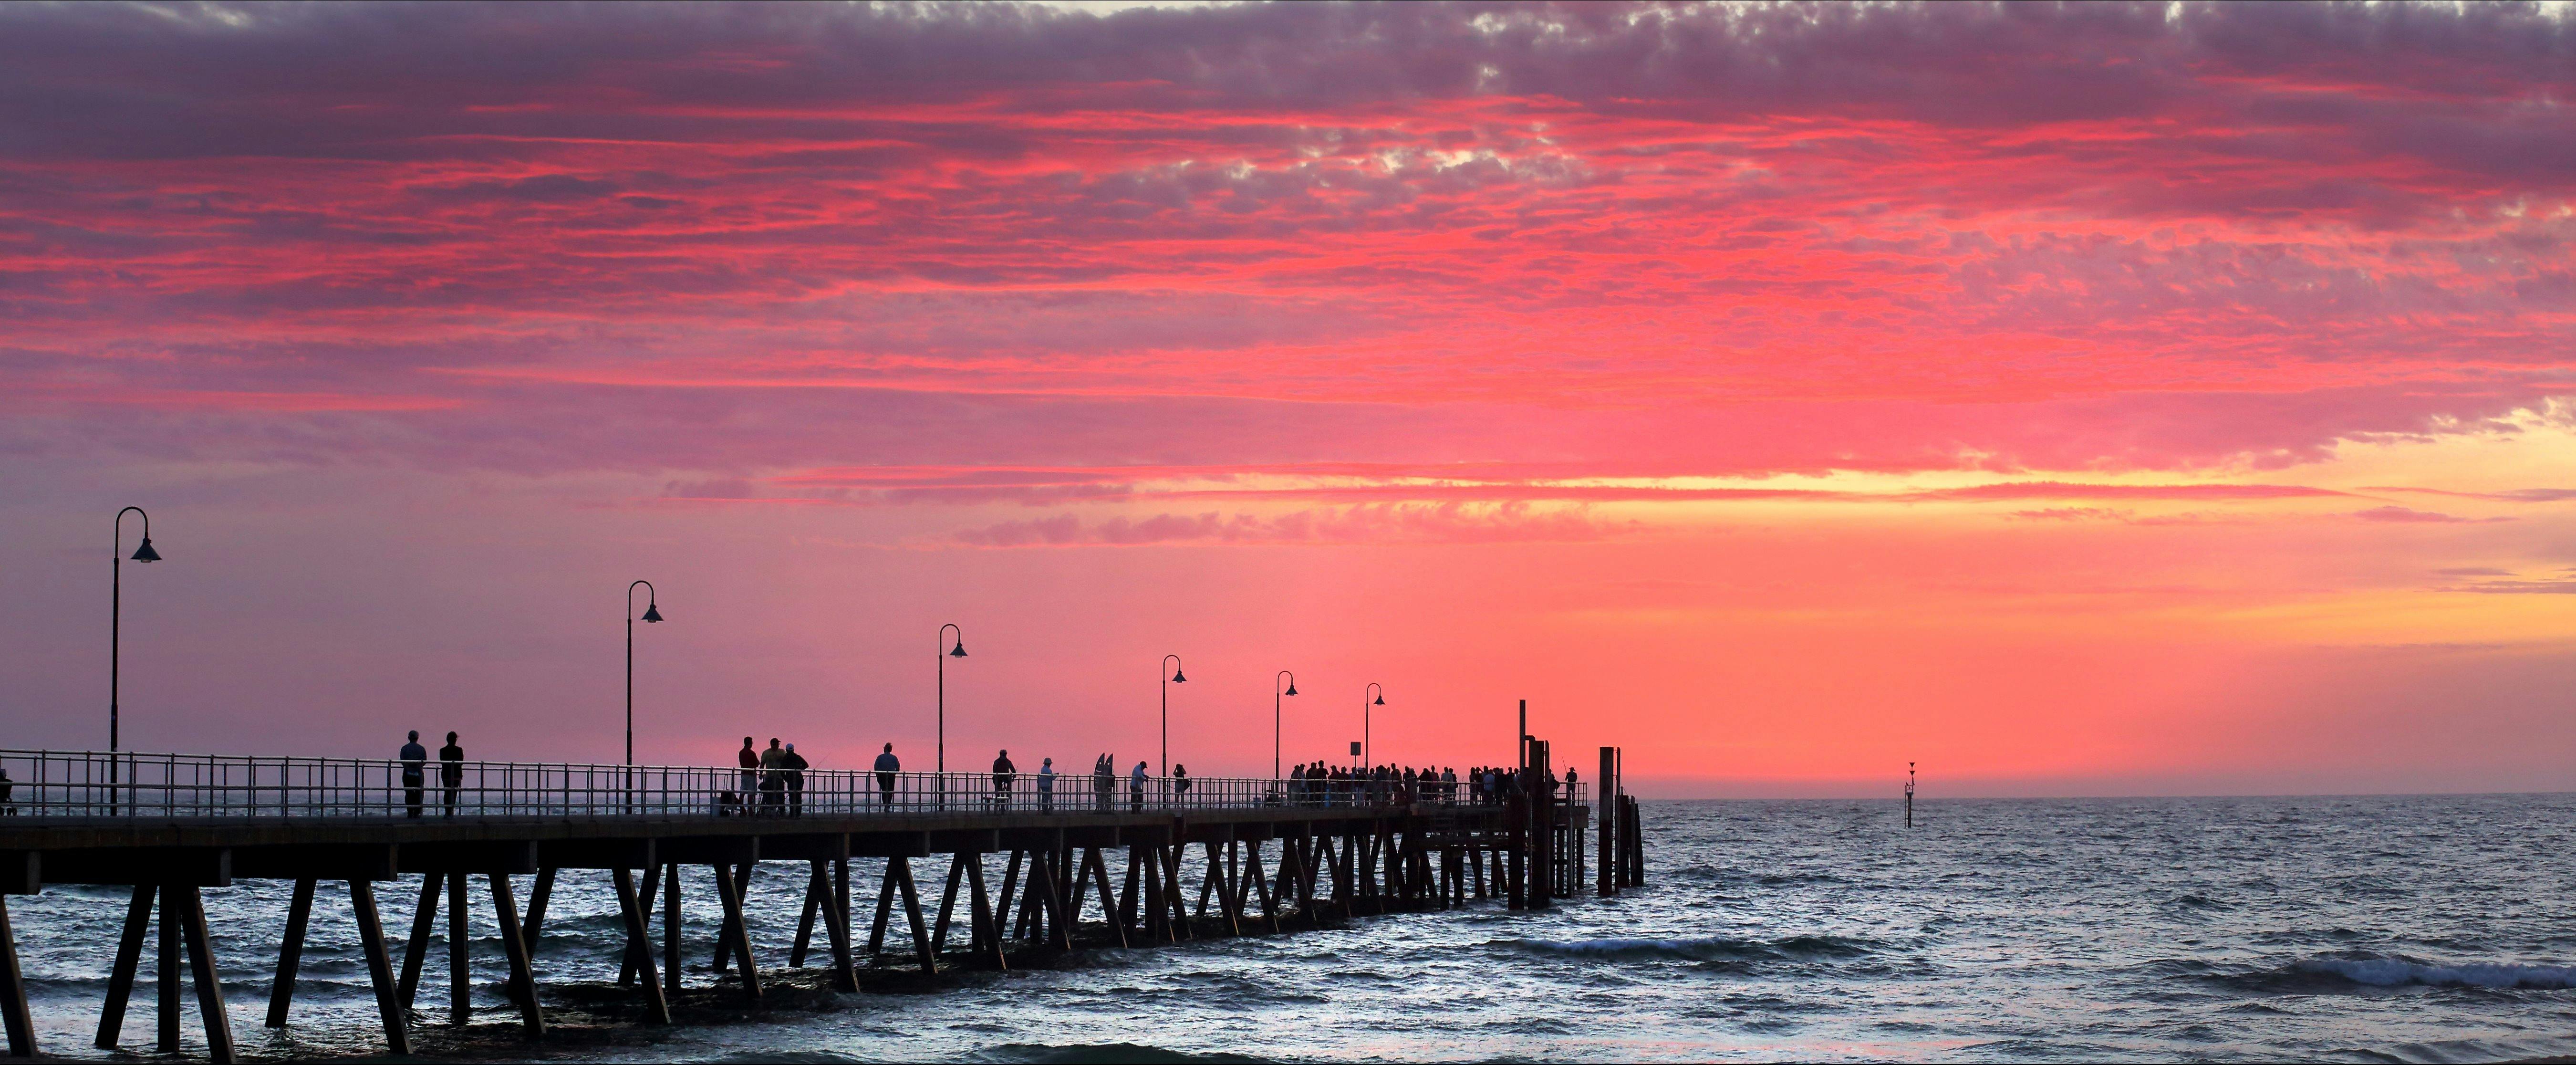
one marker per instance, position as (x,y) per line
(1087,860)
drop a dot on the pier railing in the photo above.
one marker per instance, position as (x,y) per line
(131,785)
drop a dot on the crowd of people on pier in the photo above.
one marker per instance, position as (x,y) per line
(771,783)
(1316,784)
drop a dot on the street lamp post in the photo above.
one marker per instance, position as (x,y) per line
(946,652)
(1368,754)
(1175,678)
(1275,693)
(652,614)
(116,622)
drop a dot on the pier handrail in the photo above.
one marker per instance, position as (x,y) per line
(142,786)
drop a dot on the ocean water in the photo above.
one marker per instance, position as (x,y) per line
(2363,929)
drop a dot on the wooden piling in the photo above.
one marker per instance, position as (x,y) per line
(460,968)
(380,970)
(639,944)
(902,869)
(538,896)
(736,933)
(836,925)
(129,958)
(168,967)
(290,952)
(814,890)
(424,919)
(1605,793)
(14,1015)
(514,946)
(725,936)
(670,929)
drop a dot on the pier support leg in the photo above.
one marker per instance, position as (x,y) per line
(129,957)
(836,924)
(523,973)
(885,910)
(380,968)
(1180,907)
(988,929)
(290,953)
(538,896)
(636,952)
(671,928)
(201,972)
(1127,896)
(948,902)
(424,919)
(168,967)
(1261,883)
(814,890)
(1110,911)
(738,933)
(14,1014)
(912,910)
(724,936)
(639,943)
(460,968)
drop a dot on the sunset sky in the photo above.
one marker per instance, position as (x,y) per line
(2099,400)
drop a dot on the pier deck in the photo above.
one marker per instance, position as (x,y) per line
(1086,859)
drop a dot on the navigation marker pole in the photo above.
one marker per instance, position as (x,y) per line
(1909,794)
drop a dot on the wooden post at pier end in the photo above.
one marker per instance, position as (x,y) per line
(1605,791)
(1542,836)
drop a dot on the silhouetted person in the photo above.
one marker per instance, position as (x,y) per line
(887,766)
(773,782)
(6,786)
(792,766)
(1136,788)
(1046,786)
(451,772)
(1180,782)
(415,760)
(749,761)
(1003,774)
(1104,780)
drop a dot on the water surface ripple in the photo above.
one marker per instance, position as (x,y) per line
(2367,929)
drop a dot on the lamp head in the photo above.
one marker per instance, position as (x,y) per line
(652,611)
(1292,688)
(1177,678)
(958,651)
(145,553)
(1381,700)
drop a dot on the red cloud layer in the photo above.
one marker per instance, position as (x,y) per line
(753,238)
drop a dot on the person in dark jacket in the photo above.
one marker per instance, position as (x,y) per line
(1003,774)
(887,766)
(792,766)
(451,772)
(415,762)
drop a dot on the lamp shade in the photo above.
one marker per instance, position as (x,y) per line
(1381,700)
(1292,688)
(145,553)
(958,651)
(652,612)
(1177,678)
